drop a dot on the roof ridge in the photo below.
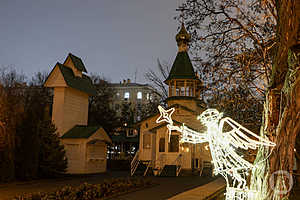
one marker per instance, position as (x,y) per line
(83,83)
(77,61)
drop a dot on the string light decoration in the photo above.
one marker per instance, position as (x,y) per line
(223,146)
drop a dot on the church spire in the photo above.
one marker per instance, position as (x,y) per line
(183,38)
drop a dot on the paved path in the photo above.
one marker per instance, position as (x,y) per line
(167,188)
(201,192)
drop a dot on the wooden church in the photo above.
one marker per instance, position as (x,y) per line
(86,146)
(156,152)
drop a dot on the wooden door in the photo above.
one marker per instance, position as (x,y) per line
(147,146)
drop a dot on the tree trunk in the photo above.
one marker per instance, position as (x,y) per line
(281,121)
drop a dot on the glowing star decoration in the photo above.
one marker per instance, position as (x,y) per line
(165,116)
(223,146)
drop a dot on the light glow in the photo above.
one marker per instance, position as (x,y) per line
(206,147)
(223,146)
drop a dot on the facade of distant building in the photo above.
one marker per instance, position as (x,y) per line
(164,156)
(134,93)
(125,140)
(86,146)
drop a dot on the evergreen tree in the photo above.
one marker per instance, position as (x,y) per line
(52,159)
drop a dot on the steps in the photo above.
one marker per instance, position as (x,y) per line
(141,168)
(168,170)
(189,172)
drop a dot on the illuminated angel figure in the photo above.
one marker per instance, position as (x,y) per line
(223,145)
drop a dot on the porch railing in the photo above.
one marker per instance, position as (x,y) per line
(159,164)
(134,163)
(150,164)
(178,163)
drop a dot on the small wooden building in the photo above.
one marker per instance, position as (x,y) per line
(85,145)
(156,150)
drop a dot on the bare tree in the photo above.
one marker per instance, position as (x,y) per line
(11,83)
(100,110)
(157,78)
(255,44)
(39,78)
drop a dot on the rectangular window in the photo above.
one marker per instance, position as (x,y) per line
(174,143)
(182,91)
(126,95)
(162,145)
(139,95)
(177,92)
(146,141)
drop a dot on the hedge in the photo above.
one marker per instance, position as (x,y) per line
(105,190)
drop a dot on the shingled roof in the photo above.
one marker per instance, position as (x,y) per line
(81,131)
(182,68)
(83,83)
(77,63)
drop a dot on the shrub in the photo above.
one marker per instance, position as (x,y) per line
(87,191)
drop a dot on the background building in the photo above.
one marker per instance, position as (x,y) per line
(132,102)
(135,94)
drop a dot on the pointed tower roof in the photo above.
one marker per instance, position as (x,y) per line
(182,67)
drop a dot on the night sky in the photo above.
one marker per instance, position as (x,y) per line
(113,37)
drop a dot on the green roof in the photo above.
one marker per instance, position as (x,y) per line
(77,63)
(83,83)
(81,131)
(182,67)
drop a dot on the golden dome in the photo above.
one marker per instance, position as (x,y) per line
(183,36)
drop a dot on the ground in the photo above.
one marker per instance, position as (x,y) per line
(167,186)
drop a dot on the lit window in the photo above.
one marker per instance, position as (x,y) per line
(118,94)
(148,96)
(126,95)
(139,95)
